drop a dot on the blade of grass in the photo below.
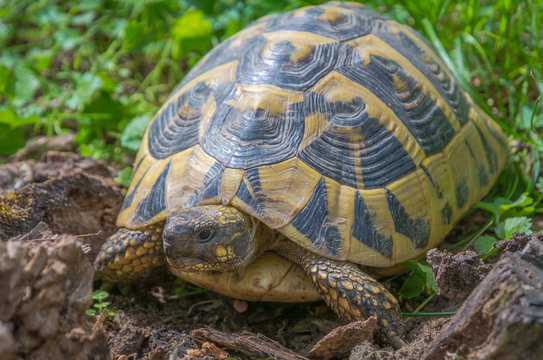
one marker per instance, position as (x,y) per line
(422,305)
(473,236)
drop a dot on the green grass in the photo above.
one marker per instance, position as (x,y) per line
(101,69)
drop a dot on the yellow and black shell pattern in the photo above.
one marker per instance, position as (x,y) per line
(337,127)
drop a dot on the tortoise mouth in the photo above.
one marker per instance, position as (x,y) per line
(191,264)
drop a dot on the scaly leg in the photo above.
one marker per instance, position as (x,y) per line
(130,254)
(352,294)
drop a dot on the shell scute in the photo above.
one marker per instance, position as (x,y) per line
(331,124)
(261,125)
(334,20)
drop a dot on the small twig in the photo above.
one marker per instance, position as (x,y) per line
(198,304)
(445,313)
(423,304)
(188,293)
(473,236)
(100,232)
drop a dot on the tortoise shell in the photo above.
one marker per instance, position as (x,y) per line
(331,124)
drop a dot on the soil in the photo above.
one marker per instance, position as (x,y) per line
(67,211)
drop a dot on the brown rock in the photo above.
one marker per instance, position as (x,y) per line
(456,275)
(340,341)
(516,243)
(47,288)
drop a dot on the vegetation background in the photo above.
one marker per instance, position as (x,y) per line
(102,68)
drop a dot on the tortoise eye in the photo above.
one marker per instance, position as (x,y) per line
(205,235)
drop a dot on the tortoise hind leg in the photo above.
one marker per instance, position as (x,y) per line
(352,294)
(130,254)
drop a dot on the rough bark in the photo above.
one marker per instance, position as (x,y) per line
(503,317)
(247,343)
(340,341)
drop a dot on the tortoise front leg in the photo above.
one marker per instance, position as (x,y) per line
(352,294)
(130,254)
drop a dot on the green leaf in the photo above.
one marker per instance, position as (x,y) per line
(525,118)
(192,25)
(502,207)
(11,139)
(107,111)
(191,32)
(50,14)
(101,305)
(523,201)
(114,28)
(41,58)
(136,35)
(493,206)
(9,117)
(124,176)
(85,18)
(99,295)
(413,286)
(483,244)
(26,82)
(108,83)
(7,81)
(419,280)
(507,228)
(68,38)
(86,86)
(96,148)
(133,132)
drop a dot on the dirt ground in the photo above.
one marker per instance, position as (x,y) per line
(63,210)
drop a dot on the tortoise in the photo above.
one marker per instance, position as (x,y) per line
(302,155)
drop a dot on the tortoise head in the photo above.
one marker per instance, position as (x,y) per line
(213,237)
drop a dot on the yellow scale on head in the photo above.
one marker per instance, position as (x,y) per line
(225,254)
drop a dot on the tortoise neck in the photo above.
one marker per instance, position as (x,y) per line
(264,237)
(292,251)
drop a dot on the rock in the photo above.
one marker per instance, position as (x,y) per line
(36,146)
(47,288)
(340,341)
(74,203)
(52,164)
(516,243)
(456,275)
